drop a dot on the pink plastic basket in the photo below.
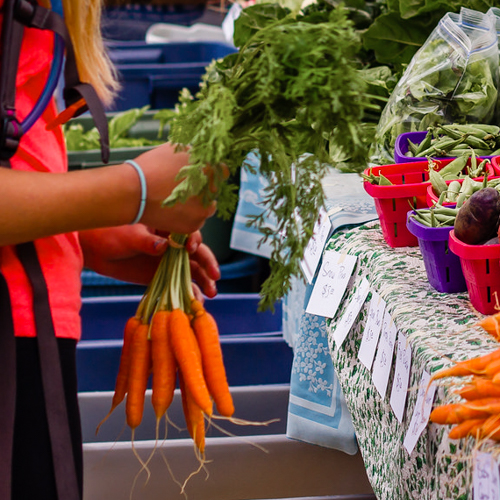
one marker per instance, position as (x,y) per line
(433,198)
(481,268)
(409,190)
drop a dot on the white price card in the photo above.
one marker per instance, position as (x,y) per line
(486,478)
(421,412)
(372,329)
(401,377)
(351,313)
(383,360)
(314,249)
(331,283)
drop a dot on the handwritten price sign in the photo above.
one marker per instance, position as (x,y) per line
(421,412)
(371,333)
(351,313)
(486,479)
(331,283)
(401,377)
(383,360)
(314,249)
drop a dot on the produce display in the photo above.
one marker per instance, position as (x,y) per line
(478,414)
(453,139)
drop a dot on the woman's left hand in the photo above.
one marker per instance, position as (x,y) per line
(132,254)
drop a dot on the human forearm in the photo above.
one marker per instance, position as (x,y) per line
(35,205)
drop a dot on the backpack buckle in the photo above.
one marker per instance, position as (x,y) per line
(10,135)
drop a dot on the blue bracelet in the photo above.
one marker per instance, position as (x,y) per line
(144,190)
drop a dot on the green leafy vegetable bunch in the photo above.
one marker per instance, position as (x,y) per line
(292,95)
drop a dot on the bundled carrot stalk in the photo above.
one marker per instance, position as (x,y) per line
(172,337)
(478,415)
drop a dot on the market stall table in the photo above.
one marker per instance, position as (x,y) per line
(439,330)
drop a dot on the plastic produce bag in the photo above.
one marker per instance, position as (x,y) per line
(453,78)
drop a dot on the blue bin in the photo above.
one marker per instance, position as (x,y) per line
(253,346)
(154,74)
(131,21)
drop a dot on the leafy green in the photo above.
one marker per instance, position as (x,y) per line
(79,139)
(292,94)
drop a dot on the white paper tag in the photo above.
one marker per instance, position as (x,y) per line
(421,412)
(316,245)
(383,360)
(486,477)
(331,283)
(351,313)
(371,333)
(401,377)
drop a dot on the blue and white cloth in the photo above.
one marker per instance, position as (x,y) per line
(317,410)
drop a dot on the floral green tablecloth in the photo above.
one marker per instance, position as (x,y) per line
(439,329)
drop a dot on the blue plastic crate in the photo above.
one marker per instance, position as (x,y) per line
(103,318)
(253,346)
(154,74)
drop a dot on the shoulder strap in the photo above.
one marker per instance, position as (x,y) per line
(10,128)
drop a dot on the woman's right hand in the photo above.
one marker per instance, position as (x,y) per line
(161,166)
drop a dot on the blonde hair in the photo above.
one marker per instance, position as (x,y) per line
(83,19)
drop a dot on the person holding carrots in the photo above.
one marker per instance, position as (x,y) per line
(55,222)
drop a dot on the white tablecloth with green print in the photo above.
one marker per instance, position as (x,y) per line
(439,329)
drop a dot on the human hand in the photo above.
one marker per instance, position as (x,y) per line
(132,254)
(161,166)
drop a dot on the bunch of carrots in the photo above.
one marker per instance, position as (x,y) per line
(172,338)
(478,415)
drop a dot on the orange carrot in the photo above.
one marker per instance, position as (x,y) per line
(491,427)
(491,324)
(480,388)
(468,367)
(207,334)
(466,428)
(163,363)
(492,368)
(455,413)
(193,415)
(140,363)
(187,354)
(121,383)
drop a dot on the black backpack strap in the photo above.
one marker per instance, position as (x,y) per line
(7,389)
(10,128)
(52,378)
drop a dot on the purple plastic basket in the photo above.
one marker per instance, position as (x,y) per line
(401,148)
(443,267)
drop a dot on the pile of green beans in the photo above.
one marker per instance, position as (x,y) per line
(436,216)
(454,139)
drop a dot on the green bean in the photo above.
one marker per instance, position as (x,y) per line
(456,165)
(453,190)
(425,144)
(412,148)
(437,181)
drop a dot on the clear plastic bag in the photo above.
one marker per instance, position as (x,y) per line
(453,78)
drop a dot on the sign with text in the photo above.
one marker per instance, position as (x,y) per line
(372,329)
(421,412)
(401,377)
(316,245)
(331,283)
(486,478)
(383,360)
(351,313)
